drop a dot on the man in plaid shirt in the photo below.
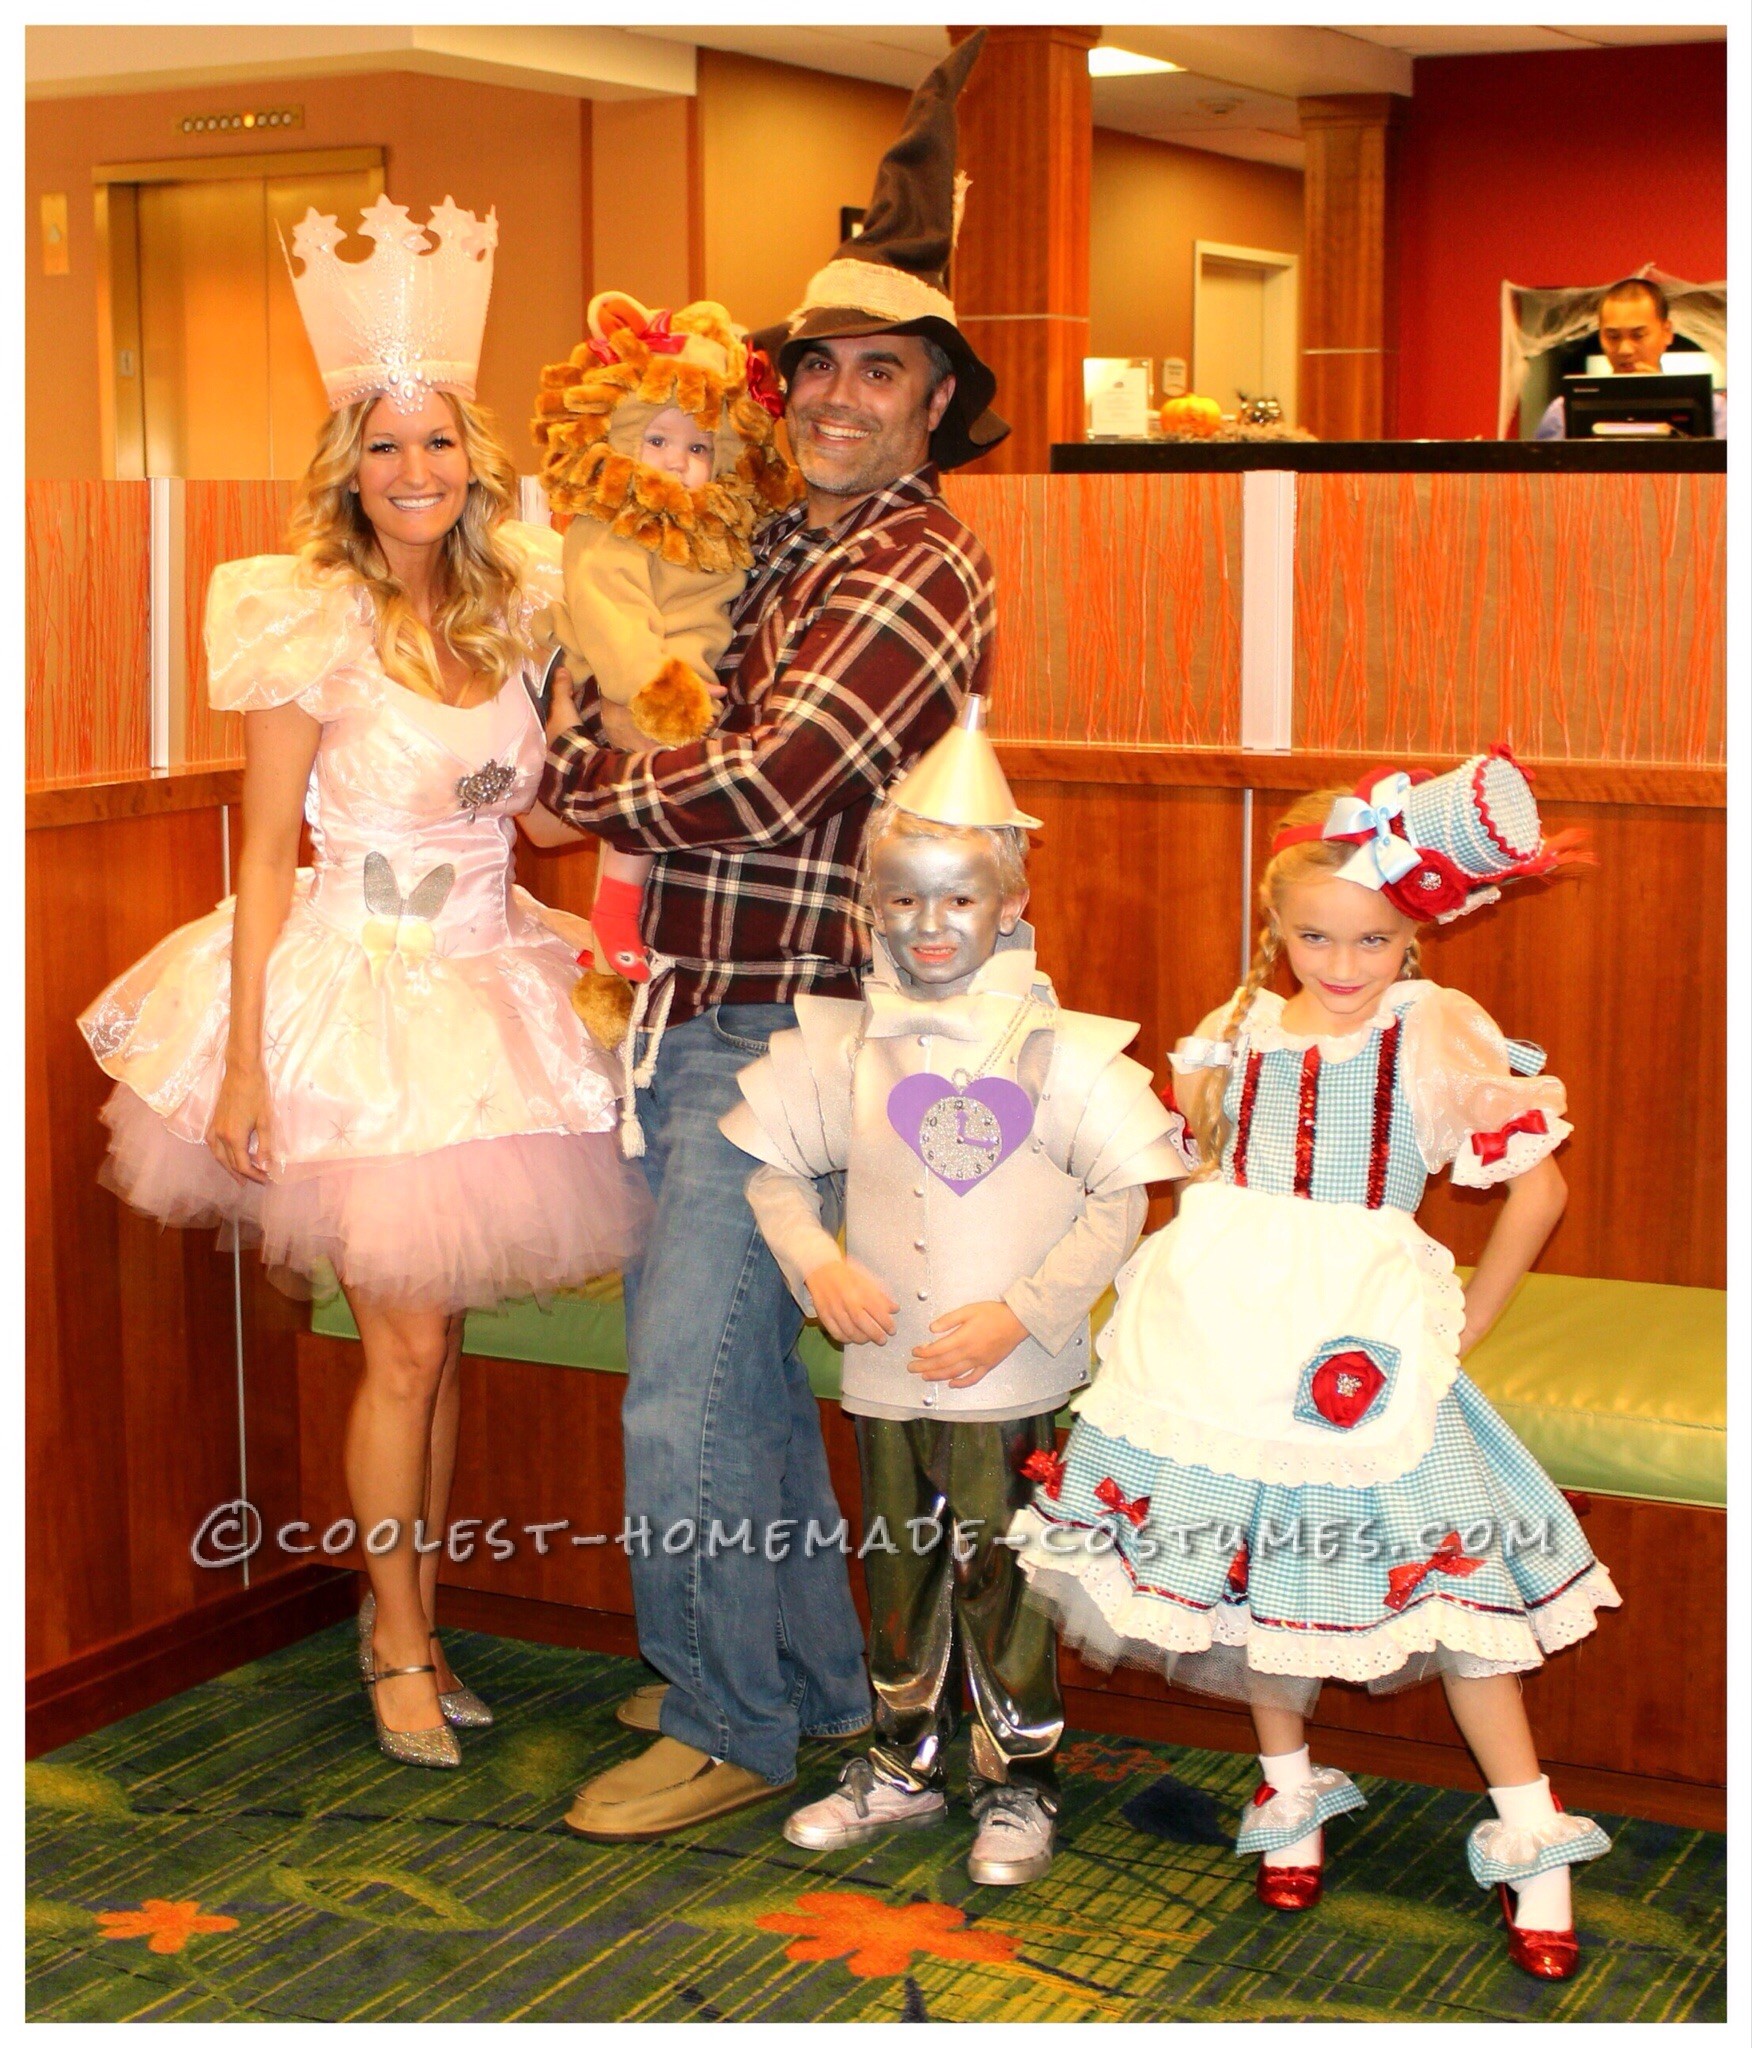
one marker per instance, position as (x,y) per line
(859,631)
(867,618)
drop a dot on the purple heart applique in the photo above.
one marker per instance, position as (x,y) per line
(962,1134)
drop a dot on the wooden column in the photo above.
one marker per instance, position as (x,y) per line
(1020,279)
(1347,352)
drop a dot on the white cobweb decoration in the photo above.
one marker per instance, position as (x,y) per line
(1538,318)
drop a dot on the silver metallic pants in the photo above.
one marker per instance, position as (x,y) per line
(946,1600)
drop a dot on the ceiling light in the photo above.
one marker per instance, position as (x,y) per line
(1105,61)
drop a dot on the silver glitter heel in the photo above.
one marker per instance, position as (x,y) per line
(464,1708)
(435,1748)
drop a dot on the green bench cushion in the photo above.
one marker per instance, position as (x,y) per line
(1615,1386)
(585,1329)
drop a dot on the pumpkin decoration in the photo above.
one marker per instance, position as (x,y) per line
(1191,415)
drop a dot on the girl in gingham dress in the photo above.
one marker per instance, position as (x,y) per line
(1280,1474)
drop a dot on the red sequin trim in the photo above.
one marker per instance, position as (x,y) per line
(1304,1182)
(1386,1066)
(1244,1117)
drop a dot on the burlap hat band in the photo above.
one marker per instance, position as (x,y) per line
(879,289)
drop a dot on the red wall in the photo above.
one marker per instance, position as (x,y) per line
(1553,168)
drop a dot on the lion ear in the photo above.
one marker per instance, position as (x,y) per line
(609,310)
(706,321)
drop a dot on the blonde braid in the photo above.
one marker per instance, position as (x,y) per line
(1411,968)
(1209,1124)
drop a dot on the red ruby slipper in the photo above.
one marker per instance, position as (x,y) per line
(1544,1952)
(1287,1887)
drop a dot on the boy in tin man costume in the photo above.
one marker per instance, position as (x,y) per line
(995,1149)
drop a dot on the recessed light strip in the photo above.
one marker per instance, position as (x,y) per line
(1106,60)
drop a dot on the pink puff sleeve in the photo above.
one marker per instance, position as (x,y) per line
(275,634)
(1471,1110)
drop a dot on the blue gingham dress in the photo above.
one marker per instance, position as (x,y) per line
(1280,1473)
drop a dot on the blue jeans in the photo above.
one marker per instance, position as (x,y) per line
(720,1426)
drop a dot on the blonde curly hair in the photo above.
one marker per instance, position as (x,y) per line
(476,614)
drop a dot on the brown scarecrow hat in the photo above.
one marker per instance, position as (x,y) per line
(890,278)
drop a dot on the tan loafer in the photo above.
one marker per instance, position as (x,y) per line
(641,1710)
(669,1786)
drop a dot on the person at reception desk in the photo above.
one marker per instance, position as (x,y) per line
(1636,330)
(866,621)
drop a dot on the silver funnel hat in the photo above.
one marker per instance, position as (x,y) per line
(959,782)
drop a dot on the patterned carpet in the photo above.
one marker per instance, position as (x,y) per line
(243,1853)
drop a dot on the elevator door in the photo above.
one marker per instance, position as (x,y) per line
(229,386)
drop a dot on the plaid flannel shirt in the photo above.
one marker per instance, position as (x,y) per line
(854,646)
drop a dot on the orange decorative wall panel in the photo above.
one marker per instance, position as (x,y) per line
(87,630)
(223,519)
(1119,606)
(1577,617)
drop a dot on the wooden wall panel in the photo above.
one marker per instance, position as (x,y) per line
(1119,606)
(1136,902)
(1576,617)
(1618,973)
(130,1405)
(87,657)
(224,521)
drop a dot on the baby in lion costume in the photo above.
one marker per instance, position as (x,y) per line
(659,439)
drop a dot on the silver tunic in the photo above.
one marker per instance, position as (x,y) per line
(963,1192)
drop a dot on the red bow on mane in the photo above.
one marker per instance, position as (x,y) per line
(1108,1493)
(1047,1469)
(1491,1145)
(656,337)
(1448,1557)
(763,384)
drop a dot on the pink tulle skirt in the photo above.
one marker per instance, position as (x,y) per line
(461,1227)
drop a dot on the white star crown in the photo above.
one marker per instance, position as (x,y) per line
(409,319)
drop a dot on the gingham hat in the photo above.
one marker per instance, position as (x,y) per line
(1437,846)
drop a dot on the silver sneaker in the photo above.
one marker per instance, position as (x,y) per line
(1014,1842)
(862,1806)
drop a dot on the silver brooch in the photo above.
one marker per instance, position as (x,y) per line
(483,786)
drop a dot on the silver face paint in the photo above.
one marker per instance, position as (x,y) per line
(940,906)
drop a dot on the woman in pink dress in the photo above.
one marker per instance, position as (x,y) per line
(372,1067)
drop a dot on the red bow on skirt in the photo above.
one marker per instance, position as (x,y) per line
(1135,1511)
(1448,1557)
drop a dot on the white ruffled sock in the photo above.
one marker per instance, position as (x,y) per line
(1285,1774)
(1542,1902)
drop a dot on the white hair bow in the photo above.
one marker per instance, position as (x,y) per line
(1382,855)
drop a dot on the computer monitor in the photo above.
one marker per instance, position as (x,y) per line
(1639,407)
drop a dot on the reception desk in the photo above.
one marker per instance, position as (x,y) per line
(1186,642)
